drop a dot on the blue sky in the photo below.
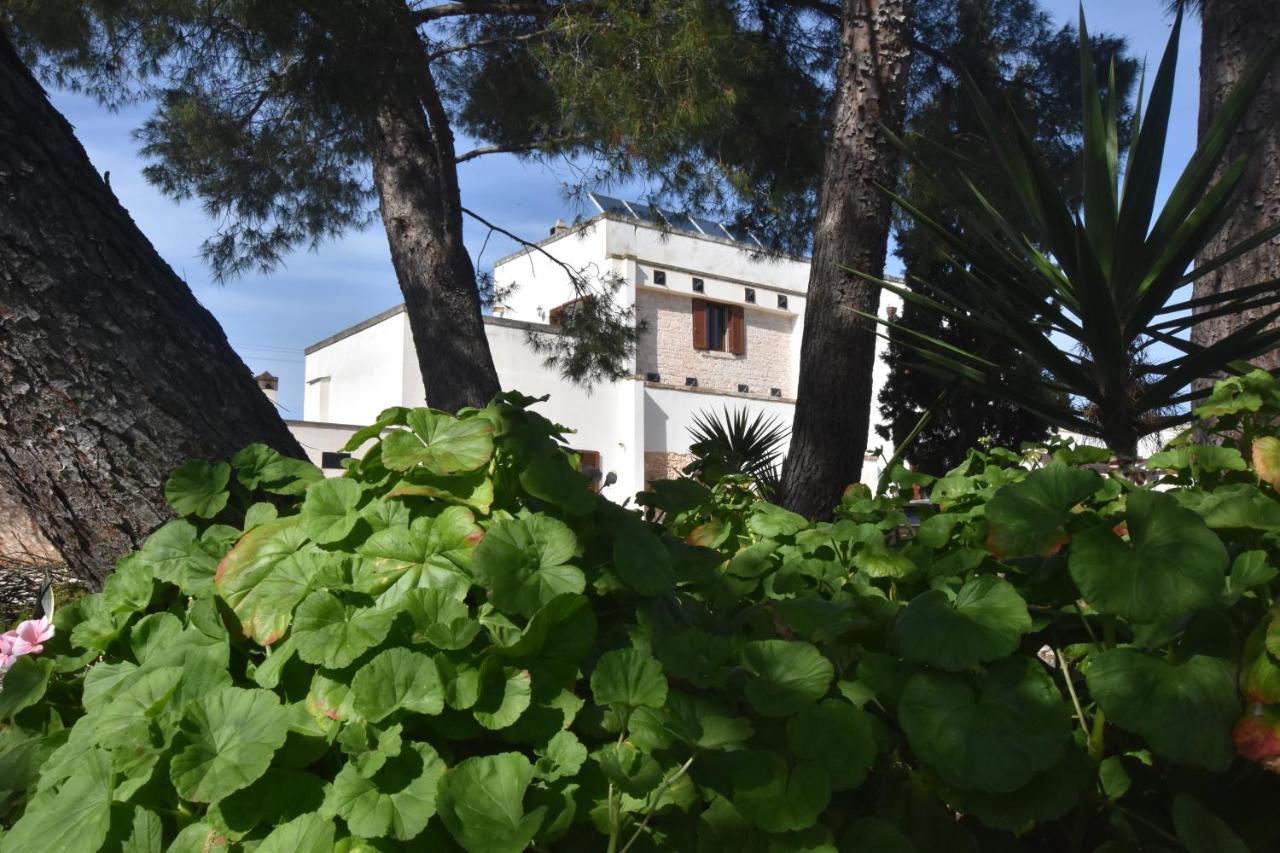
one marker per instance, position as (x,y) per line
(271,318)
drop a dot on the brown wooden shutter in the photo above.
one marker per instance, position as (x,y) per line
(737,330)
(699,324)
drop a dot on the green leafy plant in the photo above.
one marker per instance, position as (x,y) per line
(1086,291)
(734,442)
(458,646)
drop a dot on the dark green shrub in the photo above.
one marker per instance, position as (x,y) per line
(459,646)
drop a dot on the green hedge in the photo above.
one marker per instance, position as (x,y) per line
(458,646)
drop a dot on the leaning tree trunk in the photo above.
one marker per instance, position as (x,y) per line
(1234,33)
(111,373)
(416,175)
(833,406)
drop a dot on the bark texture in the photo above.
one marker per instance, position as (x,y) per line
(415,172)
(1233,34)
(833,406)
(111,373)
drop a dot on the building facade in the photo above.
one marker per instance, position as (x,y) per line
(720,322)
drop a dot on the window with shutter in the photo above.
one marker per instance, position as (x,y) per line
(713,327)
(737,330)
(699,324)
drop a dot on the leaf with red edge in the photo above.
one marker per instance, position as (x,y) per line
(1257,736)
(1266,459)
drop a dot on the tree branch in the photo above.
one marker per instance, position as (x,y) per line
(575,276)
(822,7)
(487,7)
(514,149)
(475,45)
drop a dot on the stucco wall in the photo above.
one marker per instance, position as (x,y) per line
(666,347)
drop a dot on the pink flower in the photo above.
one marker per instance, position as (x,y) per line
(31,635)
(7,657)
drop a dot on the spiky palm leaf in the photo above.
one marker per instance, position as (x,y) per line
(1101,277)
(734,442)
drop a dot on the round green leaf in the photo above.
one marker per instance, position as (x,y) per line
(785,676)
(482,804)
(440,443)
(522,563)
(1201,457)
(1049,795)
(398,801)
(1027,517)
(836,735)
(231,735)
(769,521)
(264,577)
(985,622)
(1172,564)
(177,554)
(1202,831)
(440,619)
(395,679)
(642,561)
(198,488)
(310,833)
(629,678)
(329,510)
(73,817)
(504,694)
(332,635)
(994,739)
(553,479)
(1183,711)
(775,797)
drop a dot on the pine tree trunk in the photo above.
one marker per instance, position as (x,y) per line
(1234,33)
(111,373)
(833,407)
(416,175)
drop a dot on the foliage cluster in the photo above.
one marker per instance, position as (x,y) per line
(458,645)
(1085,289)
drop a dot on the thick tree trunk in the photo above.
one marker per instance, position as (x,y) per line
(1233,34)
(416,175)
(833,407)
(111,373)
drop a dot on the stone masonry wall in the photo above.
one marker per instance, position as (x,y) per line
(666,348)
(664,466)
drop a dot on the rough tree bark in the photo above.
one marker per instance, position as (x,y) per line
(833,406)
(1234,33)
(415,172)
(111,373)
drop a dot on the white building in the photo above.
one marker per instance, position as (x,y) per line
(722,328)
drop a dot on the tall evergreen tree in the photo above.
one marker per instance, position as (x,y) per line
(1010,50)
(286,118)
(111,373)
(1233,35)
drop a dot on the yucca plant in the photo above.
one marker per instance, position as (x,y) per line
(734,442)
(1086,290)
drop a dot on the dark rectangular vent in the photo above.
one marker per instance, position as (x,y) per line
(333,460)
(744,389)
(775,392)
(659,277)
(782,301)
(691,382)
(652,377)
(751,295)
(699,286)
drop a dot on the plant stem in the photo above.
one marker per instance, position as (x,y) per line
(657,798)
(615,819)
(1071,688)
